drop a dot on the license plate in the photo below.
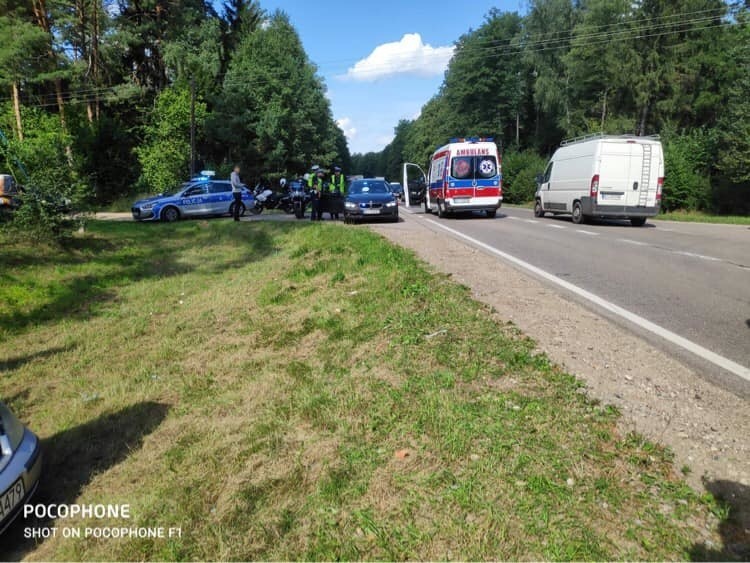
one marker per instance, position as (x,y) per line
(611,196)
(11,498)
(461,199)
(371,211)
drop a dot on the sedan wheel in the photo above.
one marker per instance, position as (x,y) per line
(170,214)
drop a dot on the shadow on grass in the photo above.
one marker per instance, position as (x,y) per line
(126,253)
(73,457)
(18,361)
(734,529)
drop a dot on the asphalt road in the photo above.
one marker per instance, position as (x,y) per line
(691,279)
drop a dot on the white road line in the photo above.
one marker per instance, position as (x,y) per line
(530,221)
(556,226)
(639,243)
(693,255)
(676,339)
(587,232)
(514,218)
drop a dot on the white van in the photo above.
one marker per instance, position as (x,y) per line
(465,175)
(603,176)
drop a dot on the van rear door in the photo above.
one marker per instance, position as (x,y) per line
(650,172)
(620,173)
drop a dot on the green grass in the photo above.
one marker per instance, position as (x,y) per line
(123,204)
(701,217)
(252,383)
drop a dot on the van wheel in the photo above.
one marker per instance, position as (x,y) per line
(637,221)
(538,209)
(578,217)
(427,208)
(491,213)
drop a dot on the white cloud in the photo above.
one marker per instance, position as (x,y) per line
(408,56)
(346,125)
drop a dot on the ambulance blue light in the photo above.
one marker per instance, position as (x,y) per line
(471,140)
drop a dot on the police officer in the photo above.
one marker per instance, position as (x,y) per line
(338,188)
(316,187)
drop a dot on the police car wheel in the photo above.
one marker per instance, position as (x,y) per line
(441,212)
(170,214)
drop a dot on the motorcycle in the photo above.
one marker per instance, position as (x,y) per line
(299,198)
(285,202)
(265,199)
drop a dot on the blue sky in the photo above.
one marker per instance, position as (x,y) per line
(369,89)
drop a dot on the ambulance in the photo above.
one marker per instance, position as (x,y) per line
(465,175)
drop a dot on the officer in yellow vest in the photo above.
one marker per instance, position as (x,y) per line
(317,193)
(338,190)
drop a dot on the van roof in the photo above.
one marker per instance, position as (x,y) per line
(602,137)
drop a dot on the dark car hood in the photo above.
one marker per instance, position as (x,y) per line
(365,198)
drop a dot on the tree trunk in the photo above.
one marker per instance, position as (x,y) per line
(644,116)
(604,110)
(40,13)
(95,55)
(17,111)
(60,104)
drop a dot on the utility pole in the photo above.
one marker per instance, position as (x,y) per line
(192,127)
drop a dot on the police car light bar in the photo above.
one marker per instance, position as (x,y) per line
(208,173)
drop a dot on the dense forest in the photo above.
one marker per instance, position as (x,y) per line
(676,68)
(97,97)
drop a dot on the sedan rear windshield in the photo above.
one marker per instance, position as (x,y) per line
(473,167)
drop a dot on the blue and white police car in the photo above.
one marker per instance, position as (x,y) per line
(203,195)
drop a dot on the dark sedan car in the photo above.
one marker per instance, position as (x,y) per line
(397,189)
(416,191)
(370,198)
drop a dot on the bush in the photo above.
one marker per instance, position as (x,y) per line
(49,184)
(687,183)
(519,175)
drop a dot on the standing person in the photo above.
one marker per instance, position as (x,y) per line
(315,198)
(312,175)
(338,189)
(236,191)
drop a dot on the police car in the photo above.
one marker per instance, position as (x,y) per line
(203,195)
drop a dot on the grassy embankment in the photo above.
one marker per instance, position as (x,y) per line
(702,217)
(308,391)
